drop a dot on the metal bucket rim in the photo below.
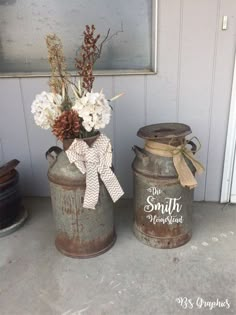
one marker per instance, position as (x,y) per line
(161,130)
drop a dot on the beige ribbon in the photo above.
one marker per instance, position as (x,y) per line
(94,160)
(178,154)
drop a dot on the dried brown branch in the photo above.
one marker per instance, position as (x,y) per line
(90,52)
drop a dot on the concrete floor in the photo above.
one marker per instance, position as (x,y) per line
(131,278)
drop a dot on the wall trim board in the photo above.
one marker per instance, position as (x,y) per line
(229,159)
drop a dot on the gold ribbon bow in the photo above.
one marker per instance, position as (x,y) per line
(178,154)
(94,160)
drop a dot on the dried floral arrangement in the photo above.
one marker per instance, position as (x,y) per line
(72,109)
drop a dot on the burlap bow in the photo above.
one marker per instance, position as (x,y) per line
(94,160)
(178,154)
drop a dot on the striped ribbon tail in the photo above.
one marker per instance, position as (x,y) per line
(94,161)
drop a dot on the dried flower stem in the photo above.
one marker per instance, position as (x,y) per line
(60,77)
(90,52)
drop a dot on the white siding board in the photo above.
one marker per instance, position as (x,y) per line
(129,117)
(197,55)
(220,100)
(13,133)
(162,88)
(40,140)
(193,86)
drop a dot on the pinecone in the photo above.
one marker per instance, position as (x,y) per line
(67,125)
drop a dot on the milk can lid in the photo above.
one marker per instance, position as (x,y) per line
(164,131)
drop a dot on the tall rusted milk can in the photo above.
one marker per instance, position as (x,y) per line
(80,232)
(162,207)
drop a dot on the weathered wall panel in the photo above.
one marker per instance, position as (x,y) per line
(13,131)
(193,85)
(221,93)
(129,115)
(162,89)
(197,66)
(39,140)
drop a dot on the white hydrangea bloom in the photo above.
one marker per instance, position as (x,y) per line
(94,109)
(46,108)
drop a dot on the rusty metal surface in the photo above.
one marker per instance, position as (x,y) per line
(80,232)
(8,167)
(7,171)
(10,200)
(19,220)
(61,172)
(87,249)
(164,131)
(7,177)
(157,221)
(67,142)
(162,207)
(150,165)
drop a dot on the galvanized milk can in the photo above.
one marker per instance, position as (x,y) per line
(80,232)
(162,206)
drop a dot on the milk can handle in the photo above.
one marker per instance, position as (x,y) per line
(140,153)
(193,145)
(50,157)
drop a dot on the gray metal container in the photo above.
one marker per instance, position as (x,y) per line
(10,198)
(80,232)
(162,207)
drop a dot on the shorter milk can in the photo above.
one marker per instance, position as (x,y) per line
(80,232)
(162,205)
